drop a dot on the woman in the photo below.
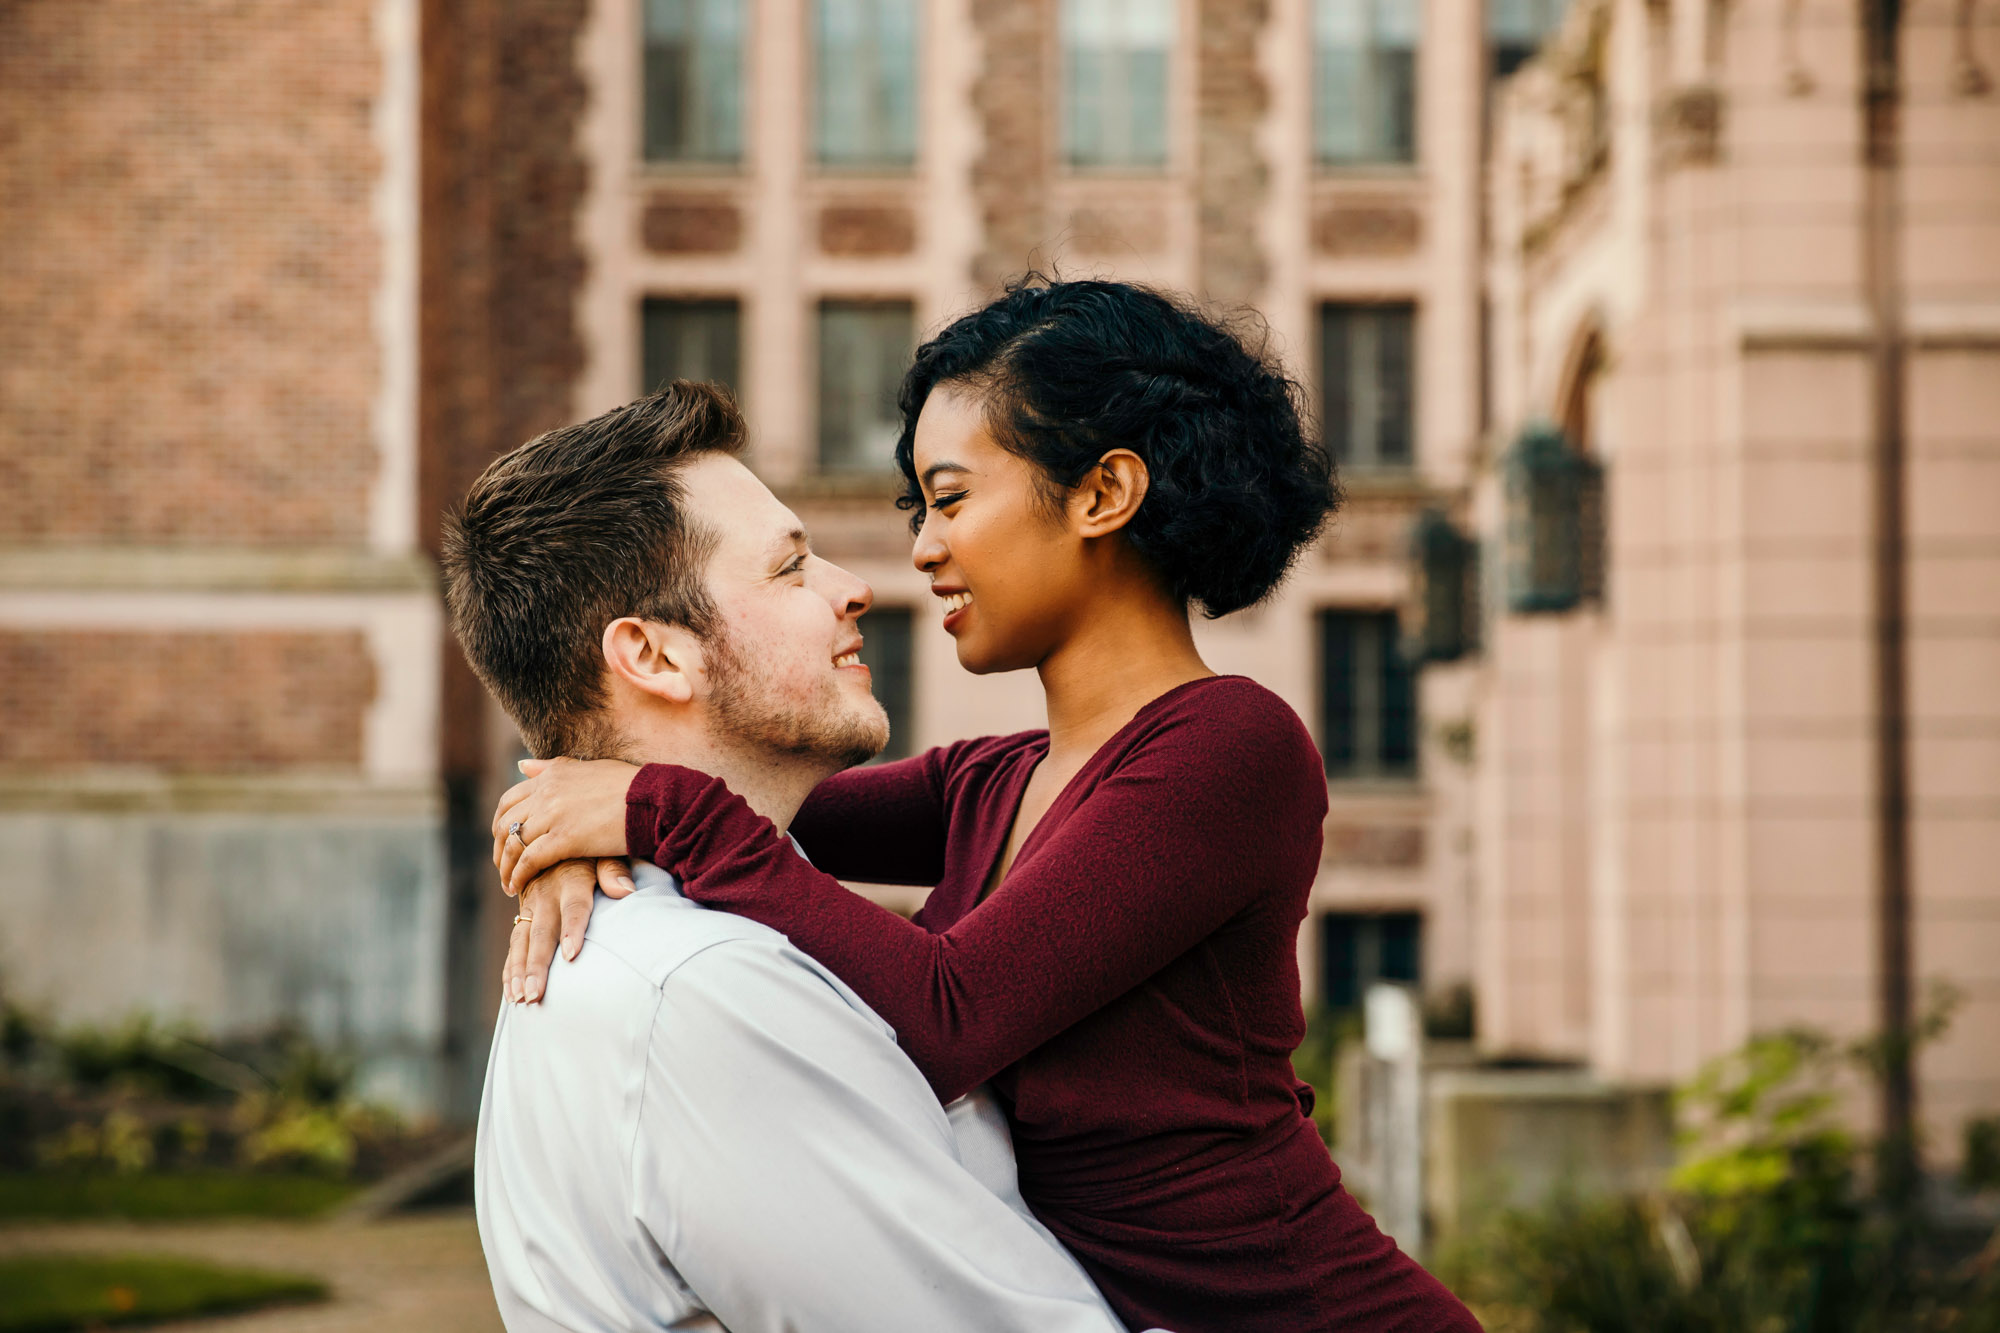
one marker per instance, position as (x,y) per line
(1111,940)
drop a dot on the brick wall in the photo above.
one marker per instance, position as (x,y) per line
(503,180)
(1231,104)
(1014,96)
(187,261)
(184,702)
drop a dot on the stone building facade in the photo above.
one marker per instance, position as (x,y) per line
(1683,829)
(277,288)
(1175,142)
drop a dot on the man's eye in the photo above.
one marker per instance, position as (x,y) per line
(798,565)
(944,501)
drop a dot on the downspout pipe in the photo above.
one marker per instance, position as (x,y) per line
(1882,265)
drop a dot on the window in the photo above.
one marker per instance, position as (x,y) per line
(689,340)
(864,348)
(1115,81)
(885,650)
(1365,80)
(1516,28)
(1368,697)
(1367,383)
(694,80)
(1359,949)
(865,82)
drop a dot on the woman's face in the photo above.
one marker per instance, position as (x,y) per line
(1007,569)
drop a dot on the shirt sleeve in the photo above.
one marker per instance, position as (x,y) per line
(1205,819)
(800,1176)
(879,824)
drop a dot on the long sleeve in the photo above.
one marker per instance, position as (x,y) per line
(1191,826)
(880,824)
(801,1178)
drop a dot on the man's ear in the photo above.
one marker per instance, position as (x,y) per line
(656,659)
(1110,494)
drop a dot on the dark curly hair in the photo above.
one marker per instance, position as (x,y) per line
(1069,371)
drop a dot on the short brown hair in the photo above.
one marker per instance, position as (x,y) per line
(566,534)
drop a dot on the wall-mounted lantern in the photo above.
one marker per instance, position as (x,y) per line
(1554,499)
(1441,619)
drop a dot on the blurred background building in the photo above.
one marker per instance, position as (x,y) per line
(1592,652)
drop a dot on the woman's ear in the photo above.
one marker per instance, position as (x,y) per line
(1110,494)
(655,659)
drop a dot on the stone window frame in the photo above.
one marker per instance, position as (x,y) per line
(1369,158)
(888,650)
(1371,461)
(711,301)
(1379,692)
(1177,125)
(857,462)
(731,157)
(813,13)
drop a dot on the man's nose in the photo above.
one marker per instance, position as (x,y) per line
(849,592)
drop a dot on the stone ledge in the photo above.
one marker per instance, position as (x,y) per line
(212,569)
(97,791)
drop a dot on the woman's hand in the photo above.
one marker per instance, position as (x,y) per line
(565,810)
(560,897)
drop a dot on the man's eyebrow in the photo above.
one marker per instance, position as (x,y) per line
(931,472)
(791,541)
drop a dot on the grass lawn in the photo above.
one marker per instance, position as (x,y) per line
(57,1196)
(47,1293)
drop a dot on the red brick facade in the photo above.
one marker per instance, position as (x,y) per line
(1014,96)
(184,702)
(1232,174)
(188,259)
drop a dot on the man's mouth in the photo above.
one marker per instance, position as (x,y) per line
(848,660)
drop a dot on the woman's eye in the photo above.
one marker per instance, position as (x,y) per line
(945,501)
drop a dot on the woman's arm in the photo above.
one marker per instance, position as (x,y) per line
(882,824)
(1195,825)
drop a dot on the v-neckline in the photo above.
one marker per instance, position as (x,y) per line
(992,862)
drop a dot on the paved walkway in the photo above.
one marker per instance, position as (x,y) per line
(413,1274)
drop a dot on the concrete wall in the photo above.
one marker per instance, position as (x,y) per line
(237,920)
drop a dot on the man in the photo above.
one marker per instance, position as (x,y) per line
(701,1123)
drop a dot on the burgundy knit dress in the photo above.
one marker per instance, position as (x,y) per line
(1131,991)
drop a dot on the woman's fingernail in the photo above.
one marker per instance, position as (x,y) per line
(534,990)
(569,949)
(521,766)
(625,882)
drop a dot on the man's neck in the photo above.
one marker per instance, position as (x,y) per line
(774,786)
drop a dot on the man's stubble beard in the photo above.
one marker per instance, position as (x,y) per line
(748,713)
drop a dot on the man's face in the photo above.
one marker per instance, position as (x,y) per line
(784,676)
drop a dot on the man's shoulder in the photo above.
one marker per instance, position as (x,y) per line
(678,946)
(655,935)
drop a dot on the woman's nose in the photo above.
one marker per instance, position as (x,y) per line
(929,551)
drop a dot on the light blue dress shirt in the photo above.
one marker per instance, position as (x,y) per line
(701,1123)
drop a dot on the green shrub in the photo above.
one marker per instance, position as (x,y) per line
(1773,1224)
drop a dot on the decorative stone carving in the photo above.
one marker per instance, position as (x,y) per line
(1346,227)
(1393,845)
(1687,127)
(867,230)
(1118,229)
(681,226)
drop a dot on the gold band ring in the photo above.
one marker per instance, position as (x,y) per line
(522,918)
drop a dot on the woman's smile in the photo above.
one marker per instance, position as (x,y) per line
(955,604)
